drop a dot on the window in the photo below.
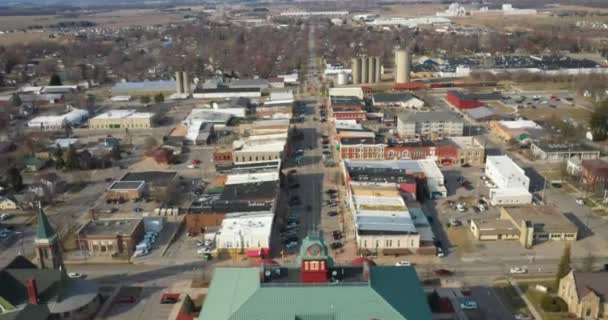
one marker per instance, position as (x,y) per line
(364,243)
(588,313)
(389,243)
(398,243)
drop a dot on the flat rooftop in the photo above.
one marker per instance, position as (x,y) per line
(544,218)
(250,191)
(252,177)
(123,114)
(153,178)
(565,147)
(466,142)
(431,116)
(249,224)
(505,165)
(495,227)
(377,225)
(110,227)
(126,185)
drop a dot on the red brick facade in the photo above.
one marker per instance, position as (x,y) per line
(446,155)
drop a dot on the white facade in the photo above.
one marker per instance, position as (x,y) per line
(346,92)
(245,231)
(505,173)
(512,184)
(227,94)
(509,196)
(73,118)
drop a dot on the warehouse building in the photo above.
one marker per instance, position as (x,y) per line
(123,119)
(400,100)
(563,151)
(144,87)
(73,118)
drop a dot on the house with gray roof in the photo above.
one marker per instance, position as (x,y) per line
(585,293)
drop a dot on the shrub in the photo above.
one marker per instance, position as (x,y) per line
(553,304)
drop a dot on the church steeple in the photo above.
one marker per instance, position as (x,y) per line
(46,243)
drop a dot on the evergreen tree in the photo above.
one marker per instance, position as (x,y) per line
(564,265)
(55,80)
(14,179)
(58,158)
(71,161)
(159,98)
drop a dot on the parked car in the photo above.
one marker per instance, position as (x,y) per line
(75,275)
(169,298)
(442,272)
(468,305)
(332,213)
(141,253)
(403,263)
(518,270)
(580,201)
(5,216)
(440,253)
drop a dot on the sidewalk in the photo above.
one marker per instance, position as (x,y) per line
(529,304)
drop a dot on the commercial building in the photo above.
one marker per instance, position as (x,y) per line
(245,233)
(126,190)
(224,93)
(73,118)
(512,183)
(470,150)
(585,293)
(430,125)
(110,237)
(144,87)
(538,224)
(484,114)
(519,130)
(346,92)
(237,193)
(494,229)
(401,100)
(359,290)
(123,119)
(383,224)
(594,174)
(463,101)
(562,151)
(428,178)
(260,84)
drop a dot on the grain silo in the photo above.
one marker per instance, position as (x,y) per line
(371,70)
(408,65)
(378,74)
(179,82)
(342,79)
(356,70)
(400,69)
(187,84)
(364,71)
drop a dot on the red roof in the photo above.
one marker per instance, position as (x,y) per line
(358,262)
(265,262)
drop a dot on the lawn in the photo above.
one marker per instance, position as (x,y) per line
(509,296)
(535,297)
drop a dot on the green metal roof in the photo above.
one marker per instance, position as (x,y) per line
(44,229)
(392,293)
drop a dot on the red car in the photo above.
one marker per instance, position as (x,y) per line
(169,298)
(196,162)
(443,272)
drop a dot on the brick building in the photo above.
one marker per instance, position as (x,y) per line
(594,174)
(462,101)
(111,237)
